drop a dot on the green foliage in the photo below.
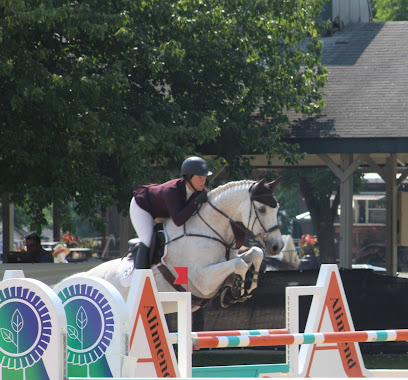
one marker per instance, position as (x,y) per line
(317,186)
(289,206)
(322,182)
(21,219)
(390,10)
(97,97)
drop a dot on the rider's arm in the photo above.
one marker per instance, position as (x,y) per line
(179,212)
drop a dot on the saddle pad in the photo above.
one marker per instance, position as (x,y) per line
(166,240)
(126,273)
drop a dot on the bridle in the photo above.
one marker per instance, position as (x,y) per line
(257,218)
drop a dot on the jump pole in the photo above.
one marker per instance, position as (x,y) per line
(301,338)
(329,342)
(174,338)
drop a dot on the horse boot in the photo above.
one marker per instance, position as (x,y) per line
(142,258)
(251,277)
(231,294)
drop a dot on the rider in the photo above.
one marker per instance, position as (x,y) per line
(177,199)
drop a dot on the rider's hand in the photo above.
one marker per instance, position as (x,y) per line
(201,197)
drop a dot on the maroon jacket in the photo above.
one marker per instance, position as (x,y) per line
(167,200)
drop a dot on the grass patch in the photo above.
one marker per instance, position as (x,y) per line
(235,357)
(386,361)
(231,357)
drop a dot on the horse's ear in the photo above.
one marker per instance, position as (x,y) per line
(258,187)
(274,184)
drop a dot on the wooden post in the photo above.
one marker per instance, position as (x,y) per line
(346,213)
(345,174)
(391,219)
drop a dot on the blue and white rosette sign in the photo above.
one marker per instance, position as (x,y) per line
(97,318)
(33,330)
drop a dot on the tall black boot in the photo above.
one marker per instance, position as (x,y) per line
(142,259)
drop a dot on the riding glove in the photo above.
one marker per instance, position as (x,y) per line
(201,197)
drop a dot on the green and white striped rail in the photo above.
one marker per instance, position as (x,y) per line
(282,339)
(198,334)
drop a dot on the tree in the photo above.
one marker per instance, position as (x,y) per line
(318,186)
(95,94)
(390,10)
(59,91)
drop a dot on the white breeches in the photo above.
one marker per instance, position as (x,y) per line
(142,222)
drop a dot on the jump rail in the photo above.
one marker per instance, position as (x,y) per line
(282,339)
(264,332)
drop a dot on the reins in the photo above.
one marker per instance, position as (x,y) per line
(219,239)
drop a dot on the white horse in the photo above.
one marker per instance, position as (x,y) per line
(208,245)
(289,252)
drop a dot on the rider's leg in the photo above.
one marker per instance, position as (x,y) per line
(143,224)
(142,259)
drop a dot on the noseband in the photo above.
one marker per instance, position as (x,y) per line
(257,218)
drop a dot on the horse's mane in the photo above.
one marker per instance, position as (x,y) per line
(229,187)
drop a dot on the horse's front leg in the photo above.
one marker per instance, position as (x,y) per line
(208,280)
(254,257)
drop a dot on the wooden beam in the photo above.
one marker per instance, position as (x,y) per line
(373,165)
(402,177)
(332,165)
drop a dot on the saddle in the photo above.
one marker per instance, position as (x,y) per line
(156,246)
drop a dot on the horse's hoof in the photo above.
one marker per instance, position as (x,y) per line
(227,298)
(244,298)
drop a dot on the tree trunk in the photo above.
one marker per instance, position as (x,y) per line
(323,216)
(105,234)
(325,232)
(6,225)
(56,224)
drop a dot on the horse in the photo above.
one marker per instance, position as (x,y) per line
(209,245)
(288,258)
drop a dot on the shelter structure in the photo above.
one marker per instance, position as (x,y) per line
(364,122)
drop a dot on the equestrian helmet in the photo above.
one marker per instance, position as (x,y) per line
(194,166)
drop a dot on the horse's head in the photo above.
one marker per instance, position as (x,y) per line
(263,216)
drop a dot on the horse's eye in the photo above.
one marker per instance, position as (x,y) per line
(262,209)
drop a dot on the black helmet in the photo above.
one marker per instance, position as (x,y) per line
(194,166)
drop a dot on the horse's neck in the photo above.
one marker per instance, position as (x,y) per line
(228,199)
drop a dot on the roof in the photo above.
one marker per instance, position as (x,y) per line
(366,94)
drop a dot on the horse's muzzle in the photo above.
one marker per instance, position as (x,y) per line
(273,246)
